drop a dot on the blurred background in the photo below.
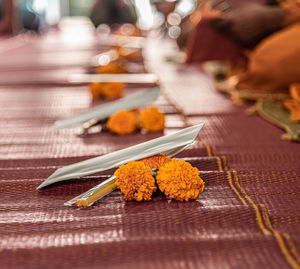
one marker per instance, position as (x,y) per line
(39,15)
(246,37)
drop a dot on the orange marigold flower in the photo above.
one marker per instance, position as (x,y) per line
(112,90)
(151,119)
(156,161)
(123,122)
(135,181)
(111,68)
(179,180)
(95,90)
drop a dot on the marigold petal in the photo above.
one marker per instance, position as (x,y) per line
(156,161)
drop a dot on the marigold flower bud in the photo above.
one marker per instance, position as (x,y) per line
(179,180)
(135,181)
(151,119)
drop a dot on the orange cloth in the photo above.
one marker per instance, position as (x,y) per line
(275,63)
(293,8)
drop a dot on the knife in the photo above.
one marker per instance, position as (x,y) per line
(104,111)
(168,145)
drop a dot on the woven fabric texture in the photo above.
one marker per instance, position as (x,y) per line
(247,216)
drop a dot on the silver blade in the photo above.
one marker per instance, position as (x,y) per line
(166,145)
(104,111)
(123,78)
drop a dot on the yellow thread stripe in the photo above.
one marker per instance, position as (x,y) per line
(219,163)
(225,163)
(279,239)
(266,217)
(214,151)
(234,189)
(208,149)
(202,143)
(292,247)
(258,215)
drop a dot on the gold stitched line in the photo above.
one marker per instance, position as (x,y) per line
(266,218)
(214,151)
(258,215)
(234,189)
(292,246)
(207,149)
(202,143)
(224,163)
(211,153)
(219,163)
(279,239)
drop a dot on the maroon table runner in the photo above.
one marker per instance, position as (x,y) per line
(247,217)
